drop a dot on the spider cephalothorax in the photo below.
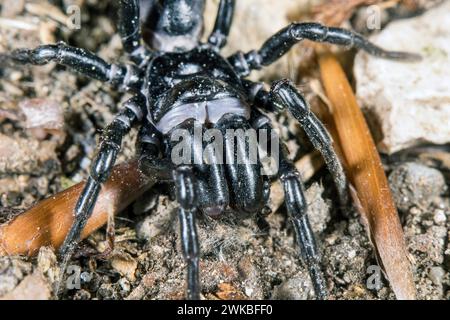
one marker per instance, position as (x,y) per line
(181,84)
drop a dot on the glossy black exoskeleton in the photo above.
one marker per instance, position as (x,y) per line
(180,83)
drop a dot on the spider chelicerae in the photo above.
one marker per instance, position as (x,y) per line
(179,83)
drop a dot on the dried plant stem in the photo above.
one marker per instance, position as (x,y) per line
(365,171)
(47,223)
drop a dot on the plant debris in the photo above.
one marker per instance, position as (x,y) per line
(365,170)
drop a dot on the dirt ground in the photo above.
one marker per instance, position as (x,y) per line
(249,259)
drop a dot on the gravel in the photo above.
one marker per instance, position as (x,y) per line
(414,184)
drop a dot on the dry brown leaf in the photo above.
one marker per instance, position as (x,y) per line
(365,171)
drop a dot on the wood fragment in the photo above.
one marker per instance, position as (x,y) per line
(48,222)
(365,171)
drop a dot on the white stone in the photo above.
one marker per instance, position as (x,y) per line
(254,22)
(439,217)
(409,103)
(352,254)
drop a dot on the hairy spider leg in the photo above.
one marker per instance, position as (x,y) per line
(200,185)
(149,150)
(280,43)
(125,77)
(191,251)
(284,95)
(184,177)
(130,31)
(296,205)
(224,20)
(288,96)
(185,183)
(100,171)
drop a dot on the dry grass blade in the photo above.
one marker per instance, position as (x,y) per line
(367,175)
(47,223)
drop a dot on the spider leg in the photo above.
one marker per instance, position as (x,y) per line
(100,170)
(149,152)
(186,195)
(130,31)
(85,62)
(218,37)
(280,43)
(282,95)
(187,187)
(296,206)
(151,163)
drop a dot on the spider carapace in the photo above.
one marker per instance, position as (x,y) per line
(198,85)
(180,83)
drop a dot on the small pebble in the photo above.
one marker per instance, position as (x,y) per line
(415,185)
(124,285)
(82,295)
(436,274)
(352,254)
(106,291)
(297,288)
(439,217)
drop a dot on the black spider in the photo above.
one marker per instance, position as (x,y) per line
(177,81)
